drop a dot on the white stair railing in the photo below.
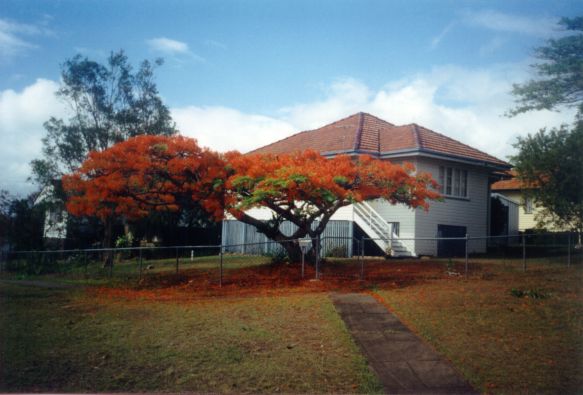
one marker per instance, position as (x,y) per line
(378,229)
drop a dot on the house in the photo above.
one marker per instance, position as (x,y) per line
(504,214)
(464,173)
(55,223)
(514,189)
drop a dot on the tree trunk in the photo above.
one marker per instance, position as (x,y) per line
(108,253)
(294,251)
(290,243)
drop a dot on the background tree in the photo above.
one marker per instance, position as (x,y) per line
(109,103)
(21,222)
(142,175)
(550,162)
(4,216)
(559,75)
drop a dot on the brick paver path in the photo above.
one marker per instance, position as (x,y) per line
(402,361)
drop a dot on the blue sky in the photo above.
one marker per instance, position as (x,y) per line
(240,74)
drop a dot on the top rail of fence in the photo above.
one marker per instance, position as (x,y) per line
(322,239)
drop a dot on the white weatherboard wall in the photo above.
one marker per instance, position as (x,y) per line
(265,214)
(471,212)
(397,213)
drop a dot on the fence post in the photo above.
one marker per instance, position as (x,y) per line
(303,258)
(111,264)
(221,268)
(318,257)
(140,275)
(569,249)
(86,262)
(362,259)
(467,240)
(177,260)
(523,252)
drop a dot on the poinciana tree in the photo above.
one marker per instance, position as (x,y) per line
(146,173)
(306,189)
(151,173)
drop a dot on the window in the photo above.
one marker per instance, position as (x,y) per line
(453,181)
(395,227)
(528,205)
(55,216)
(456,182)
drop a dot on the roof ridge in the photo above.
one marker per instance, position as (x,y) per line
(377,118)
(454,140)
(304,131)
(416,135)
(358,135)
(379,141)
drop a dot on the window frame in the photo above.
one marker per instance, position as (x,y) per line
(453,182)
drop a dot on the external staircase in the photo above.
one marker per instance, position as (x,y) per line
(381,232)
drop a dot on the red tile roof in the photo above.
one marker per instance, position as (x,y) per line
(511,184)
(364,133)
(507,185)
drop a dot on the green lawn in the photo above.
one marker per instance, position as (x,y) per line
(90,270)
(73,341)
(529,340)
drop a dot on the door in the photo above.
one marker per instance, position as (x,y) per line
(451,248)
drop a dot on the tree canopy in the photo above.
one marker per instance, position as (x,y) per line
(550,163)
(306,189)
(147,173)
(21,221)
(559,75)
(109,103)
(144,174)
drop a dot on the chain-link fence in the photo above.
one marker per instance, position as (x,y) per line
(328,257)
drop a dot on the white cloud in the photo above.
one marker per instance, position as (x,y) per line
(498,21)
(173,48)
(168,45)
(343,98)
(465,104)
(492,46)
(226,129)
(435,41)
(14,37)
(11,41)
(22,115)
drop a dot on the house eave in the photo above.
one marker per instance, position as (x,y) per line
(406,153)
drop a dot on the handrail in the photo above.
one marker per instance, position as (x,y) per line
(378,225)
(370,211)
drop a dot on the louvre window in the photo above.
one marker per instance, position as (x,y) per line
(453,181)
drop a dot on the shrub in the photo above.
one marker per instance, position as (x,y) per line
(339,251)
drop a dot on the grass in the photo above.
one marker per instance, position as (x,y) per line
(505,330)
(74,341)
(91,271)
